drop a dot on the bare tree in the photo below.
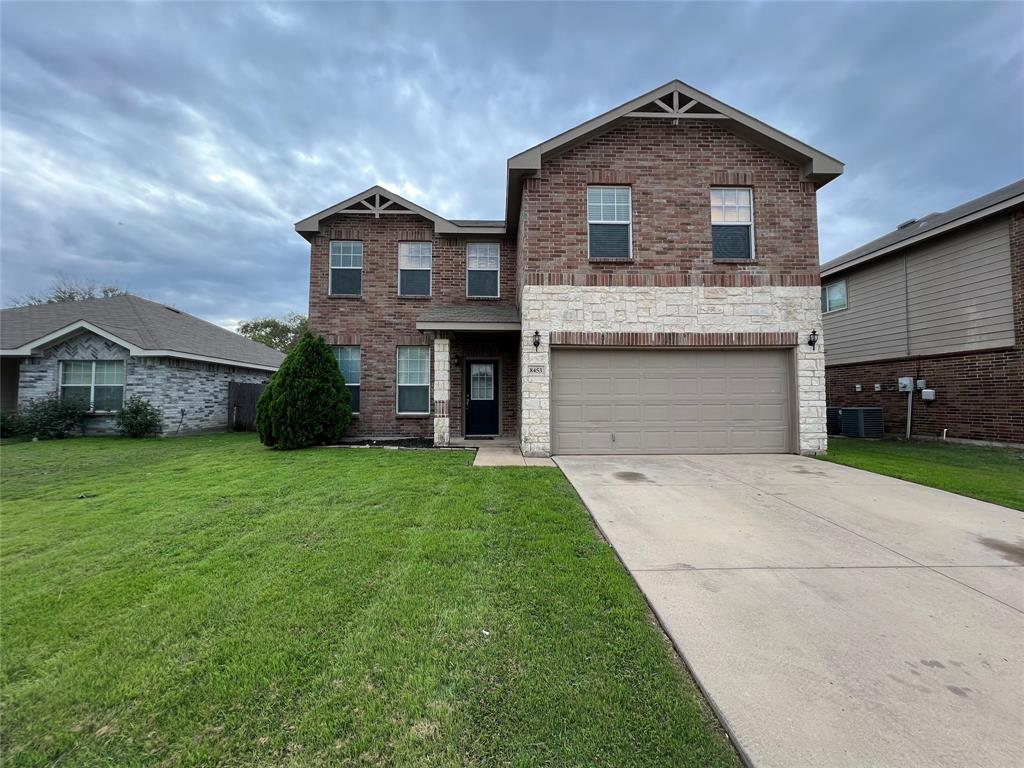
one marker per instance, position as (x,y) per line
(64,289)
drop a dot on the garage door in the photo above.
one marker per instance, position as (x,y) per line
(670,401)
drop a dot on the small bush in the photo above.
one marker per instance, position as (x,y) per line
(9,423)
(306,402)
(138,418)
(51,417)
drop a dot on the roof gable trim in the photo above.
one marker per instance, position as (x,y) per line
(55,337)
(378,201)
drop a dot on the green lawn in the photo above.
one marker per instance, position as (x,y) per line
(201,601)
(990,474)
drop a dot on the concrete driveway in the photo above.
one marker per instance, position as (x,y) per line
(833,617)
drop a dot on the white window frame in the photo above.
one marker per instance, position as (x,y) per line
(331,267)
(430,270)
(497,269)
(750,224)
(358,385)
(827,309)
(629,223)
(92,382)
(430,394)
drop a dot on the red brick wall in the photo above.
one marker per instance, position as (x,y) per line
(977,394)
(670,169)
(380,320)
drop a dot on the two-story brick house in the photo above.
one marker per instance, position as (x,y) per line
(653,288)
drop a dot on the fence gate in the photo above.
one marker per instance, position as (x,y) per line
(242,405)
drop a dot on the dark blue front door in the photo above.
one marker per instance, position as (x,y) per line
(481,397)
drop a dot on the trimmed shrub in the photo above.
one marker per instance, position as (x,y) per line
(51,417)
(10,424)
(138,418)
(306,402)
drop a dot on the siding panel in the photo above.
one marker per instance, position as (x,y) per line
(874,324)
(957,296)
(960,294)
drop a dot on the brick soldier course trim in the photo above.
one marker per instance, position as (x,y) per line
(618,339)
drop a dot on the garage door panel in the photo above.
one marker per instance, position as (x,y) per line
(670,401)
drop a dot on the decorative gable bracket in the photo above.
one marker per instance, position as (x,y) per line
(676,105)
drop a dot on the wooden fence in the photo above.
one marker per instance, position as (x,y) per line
(242,405)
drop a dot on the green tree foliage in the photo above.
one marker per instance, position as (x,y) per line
(65,289)
(306,402)
(281,334)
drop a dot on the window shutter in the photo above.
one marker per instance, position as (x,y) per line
(609,241)
(730,242)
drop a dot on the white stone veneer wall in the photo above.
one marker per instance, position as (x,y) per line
(442,392)
(764,309)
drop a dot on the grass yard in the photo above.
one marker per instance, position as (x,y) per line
(201,601)
(990,474)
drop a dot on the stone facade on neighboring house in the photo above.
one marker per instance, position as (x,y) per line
(191,396)
(188,385)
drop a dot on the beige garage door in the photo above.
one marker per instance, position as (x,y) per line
(670,401)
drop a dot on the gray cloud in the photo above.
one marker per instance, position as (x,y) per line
(170,147)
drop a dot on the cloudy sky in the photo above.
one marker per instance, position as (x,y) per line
(170,147)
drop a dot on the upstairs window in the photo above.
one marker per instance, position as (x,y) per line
(609,223)
(414,269)
(483,263)
(346,267)
(349,363)
(732,223)
(833,296)
(413,380)
(97,385)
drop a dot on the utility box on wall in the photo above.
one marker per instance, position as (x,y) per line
(906,384)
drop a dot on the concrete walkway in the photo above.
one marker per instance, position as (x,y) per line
(503,454)
(833,617)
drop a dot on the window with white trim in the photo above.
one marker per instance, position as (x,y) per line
(732,223)
(97,385)
(414,261)
(413,380)
(609,223)
(833,296)
(483,265)
(351,370)
(346,267)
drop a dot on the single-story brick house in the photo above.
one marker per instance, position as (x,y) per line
(939,299)
(101,351)
(653,287)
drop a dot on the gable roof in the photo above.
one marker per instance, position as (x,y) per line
(378,201)
(931,225)
(674,100)
(145,328)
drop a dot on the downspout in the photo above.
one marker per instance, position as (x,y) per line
(906,321)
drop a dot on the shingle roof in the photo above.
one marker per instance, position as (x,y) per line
(915,229)
(479,222)
(473,313)
(142,323)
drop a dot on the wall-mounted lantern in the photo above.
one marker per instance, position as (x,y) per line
(536,339)
(812,340)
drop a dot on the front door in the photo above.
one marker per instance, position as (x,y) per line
(481,397)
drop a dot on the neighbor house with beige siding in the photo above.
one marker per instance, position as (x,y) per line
(938,299)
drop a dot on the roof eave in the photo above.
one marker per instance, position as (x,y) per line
(826,271)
